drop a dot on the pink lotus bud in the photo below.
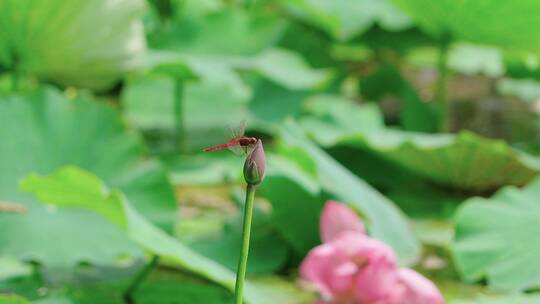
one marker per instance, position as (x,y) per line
(337,218)
(255,165)
(418,289)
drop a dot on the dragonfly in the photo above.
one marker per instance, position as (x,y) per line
(239,143)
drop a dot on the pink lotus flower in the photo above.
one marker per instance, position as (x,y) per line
(352,268)
(418,289)
(337,218)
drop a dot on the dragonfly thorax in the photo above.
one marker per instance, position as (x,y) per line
(247,141)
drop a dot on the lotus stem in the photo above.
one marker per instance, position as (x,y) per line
(441,90)
(179,128)
(141,276)
(246,232)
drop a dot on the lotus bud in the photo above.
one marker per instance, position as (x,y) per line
(255,165)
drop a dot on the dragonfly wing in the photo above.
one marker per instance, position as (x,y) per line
(238,131)
(242,150)
(237,149)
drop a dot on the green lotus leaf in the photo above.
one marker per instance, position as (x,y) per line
(245,42)
(83,43)
(344,19)
(240,34)
(268,251)
(502,299)
(296,202)
(12,299)
(465,161)
(498,238)
(503,23)
(73,188)
(385,221)
(44,130)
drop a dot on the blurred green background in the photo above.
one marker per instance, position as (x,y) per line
(421,115)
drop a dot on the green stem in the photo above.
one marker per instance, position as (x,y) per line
(441,91)
(242,264)
(180,132)
(37,274)
(15,81)
(164,8)
(141,276)
(15,73)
